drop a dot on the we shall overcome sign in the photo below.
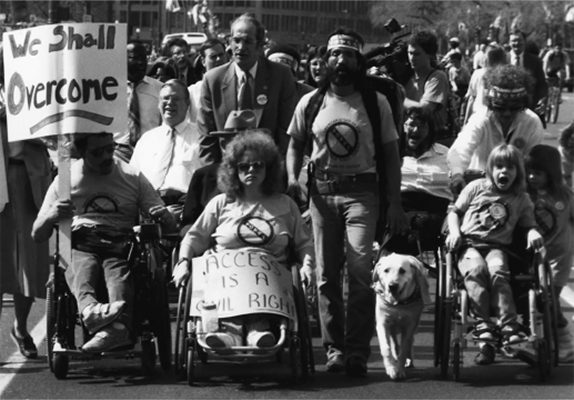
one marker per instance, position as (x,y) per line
(64,79)
(242,282)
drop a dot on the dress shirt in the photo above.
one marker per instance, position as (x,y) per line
(185,159)
(148,98)
(428,173)
(513,59)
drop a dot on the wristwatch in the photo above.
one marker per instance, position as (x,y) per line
(183,259)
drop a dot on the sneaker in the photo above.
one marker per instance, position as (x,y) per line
(486,355)
(109,338)
(97,315)
(25,345)
(356,366)
(512,335)
(335,363)
(260,339)
(223,339)
(484,334)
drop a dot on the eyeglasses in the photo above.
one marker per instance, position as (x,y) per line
(246,166)
(109,148)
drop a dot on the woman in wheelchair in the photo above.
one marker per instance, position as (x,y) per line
(106,199)
(249,213)
(481,224)
(425,193)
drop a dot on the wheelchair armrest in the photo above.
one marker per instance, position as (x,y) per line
(148,231)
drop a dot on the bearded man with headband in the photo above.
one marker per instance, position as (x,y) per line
(506,119)
(350,149)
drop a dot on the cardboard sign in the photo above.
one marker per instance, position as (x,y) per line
(242,282)
(65,78)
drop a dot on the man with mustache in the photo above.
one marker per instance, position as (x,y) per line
(106,200)
(346,194)
(249,81)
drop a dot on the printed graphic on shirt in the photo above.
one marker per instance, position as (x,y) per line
(101,203)
(545,218)
(492,216)
(254,231)
(342,139)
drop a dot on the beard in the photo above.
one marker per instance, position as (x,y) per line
(341,76)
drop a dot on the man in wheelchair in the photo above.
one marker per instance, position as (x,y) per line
(107,197)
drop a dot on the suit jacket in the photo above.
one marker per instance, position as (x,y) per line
(202,188)
(533,65)
(274,98)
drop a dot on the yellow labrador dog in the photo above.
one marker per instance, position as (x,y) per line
(402,292)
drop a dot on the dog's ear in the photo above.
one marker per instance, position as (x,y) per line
(421,279)
(379,264)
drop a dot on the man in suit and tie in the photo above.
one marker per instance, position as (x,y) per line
(168,154)
(249,81)
(531,63)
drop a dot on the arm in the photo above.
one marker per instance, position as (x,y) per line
(454,237)
(44,223)
(294,162)
(209,149)
(285,110)
(396,219)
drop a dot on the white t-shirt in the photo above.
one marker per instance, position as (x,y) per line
(343,139)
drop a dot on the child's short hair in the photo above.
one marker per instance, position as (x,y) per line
(507,154)
(547,159)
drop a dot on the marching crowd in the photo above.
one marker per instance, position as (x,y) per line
(366,158)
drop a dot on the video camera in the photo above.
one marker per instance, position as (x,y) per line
(392,55)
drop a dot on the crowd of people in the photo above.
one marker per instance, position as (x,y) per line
(212,143)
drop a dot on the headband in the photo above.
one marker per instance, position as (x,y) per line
(284,58)
(344,41)
(498,93)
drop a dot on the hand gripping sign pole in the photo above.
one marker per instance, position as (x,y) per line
(65,79)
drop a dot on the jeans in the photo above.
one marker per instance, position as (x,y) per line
(486,277)
(85,274)
(344,228)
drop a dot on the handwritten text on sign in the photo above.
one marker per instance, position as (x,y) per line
(242,282)
(65,78)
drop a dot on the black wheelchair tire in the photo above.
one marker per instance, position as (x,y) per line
(148,357)
(190,364)
(456,361)
(50,324)
(61,364)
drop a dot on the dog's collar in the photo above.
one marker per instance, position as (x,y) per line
(415,296)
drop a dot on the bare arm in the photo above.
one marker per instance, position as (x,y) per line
(396,219)
(44,224)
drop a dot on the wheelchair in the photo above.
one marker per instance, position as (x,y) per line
(151,325)
(294,336)
(535,300)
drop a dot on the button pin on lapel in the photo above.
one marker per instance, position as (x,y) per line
(261,99)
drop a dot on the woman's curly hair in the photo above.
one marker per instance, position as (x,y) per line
(263,148)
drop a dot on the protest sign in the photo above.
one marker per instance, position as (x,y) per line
(65,78)
(242,282)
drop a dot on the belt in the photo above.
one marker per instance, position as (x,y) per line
(366,177)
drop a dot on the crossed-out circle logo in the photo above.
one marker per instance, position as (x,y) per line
(254,231)
(101,203)
(545,218)
(492,215)
(342,138)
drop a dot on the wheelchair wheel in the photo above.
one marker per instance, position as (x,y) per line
(456,361)
(60,363)
(148,357)
(294,350)
(162,318)
(439,308)
(446,319)
(50,326)
(180,331)
(304,331)
(190,364)
(542,351)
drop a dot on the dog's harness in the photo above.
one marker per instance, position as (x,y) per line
(415,296)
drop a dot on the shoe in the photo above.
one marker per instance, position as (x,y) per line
(25,345)
(486,355)
(356,366)
(109,338)
(223,339)
(512,335)
(484,333)
(260,339)
(335,363)
(97,315)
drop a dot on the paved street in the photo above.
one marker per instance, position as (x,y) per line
(121,379)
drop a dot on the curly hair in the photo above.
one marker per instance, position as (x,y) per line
(509,77)
(263,148)
(426,40)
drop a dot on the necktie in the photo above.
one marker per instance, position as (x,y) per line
(246,97)
(134,123)
(517,63)
(166,154)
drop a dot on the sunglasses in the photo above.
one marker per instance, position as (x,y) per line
(109,148)
(246,166)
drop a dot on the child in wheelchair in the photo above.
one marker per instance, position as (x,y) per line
(554,213)
(481,224)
